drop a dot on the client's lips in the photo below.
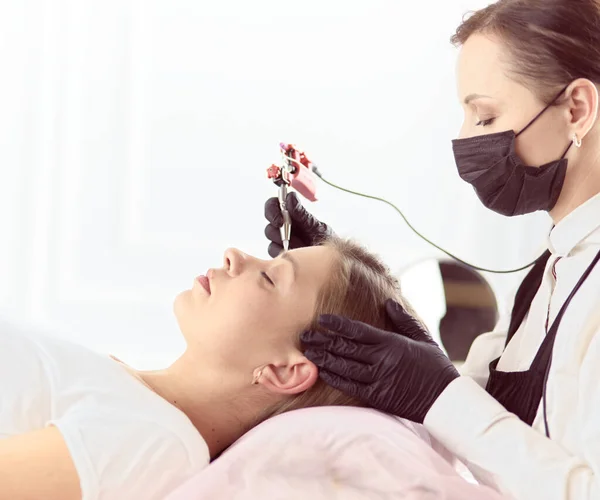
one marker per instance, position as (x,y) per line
(205,282)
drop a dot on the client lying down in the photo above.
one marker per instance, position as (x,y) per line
(77,424)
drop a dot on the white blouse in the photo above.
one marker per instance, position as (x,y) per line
(126,441)
(498,447)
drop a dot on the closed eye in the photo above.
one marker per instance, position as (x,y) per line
(485,123)
(266,276)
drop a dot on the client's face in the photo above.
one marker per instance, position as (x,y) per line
(249,311)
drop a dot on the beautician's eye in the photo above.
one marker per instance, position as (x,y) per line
(266,276)
(485,123)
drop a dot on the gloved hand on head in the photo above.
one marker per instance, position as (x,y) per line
(402,372)
(307,230)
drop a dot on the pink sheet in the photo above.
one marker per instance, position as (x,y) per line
(332,453)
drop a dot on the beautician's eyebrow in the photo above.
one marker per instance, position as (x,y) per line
(289,258)
(472,97)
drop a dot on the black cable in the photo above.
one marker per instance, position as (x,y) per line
(544,397)
(477,268)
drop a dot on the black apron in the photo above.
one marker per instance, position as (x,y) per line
(521,392)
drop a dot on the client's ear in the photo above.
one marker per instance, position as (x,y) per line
(296,376)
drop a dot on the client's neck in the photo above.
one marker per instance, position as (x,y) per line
(218,409)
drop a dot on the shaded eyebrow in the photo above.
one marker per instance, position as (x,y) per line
(472,97)
(289,258)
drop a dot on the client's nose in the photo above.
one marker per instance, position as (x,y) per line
(234,261)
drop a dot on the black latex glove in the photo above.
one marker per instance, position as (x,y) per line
(399,373)
(306,229)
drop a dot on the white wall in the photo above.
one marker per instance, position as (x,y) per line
(135,134)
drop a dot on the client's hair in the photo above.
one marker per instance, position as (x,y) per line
(358,288)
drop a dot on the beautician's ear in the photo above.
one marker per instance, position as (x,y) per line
(295,377)
(583,106)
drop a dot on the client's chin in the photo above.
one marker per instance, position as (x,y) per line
(181,306)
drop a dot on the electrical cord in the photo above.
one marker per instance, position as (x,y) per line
(382,200)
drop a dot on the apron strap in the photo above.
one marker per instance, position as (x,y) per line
(544,355)
(526,293)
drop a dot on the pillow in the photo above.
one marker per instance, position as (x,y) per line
(332,452)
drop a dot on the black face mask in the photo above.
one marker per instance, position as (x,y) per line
(502,182)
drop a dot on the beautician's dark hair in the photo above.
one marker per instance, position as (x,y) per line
(550,42)
(358,288)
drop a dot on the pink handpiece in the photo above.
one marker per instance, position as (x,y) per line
(304,181)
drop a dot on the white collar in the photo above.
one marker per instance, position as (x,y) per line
(575,227)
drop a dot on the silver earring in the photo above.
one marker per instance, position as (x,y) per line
(257,376)
(576,141)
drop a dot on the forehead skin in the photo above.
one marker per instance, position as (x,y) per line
(483,68)
(313,271)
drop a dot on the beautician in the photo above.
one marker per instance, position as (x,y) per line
(524,414)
